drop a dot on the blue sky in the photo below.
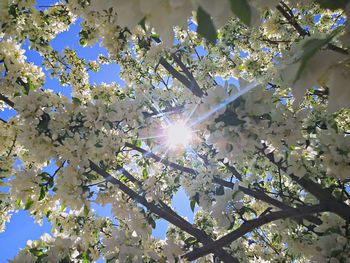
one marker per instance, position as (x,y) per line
(22,227)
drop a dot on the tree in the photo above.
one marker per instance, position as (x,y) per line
(265,162)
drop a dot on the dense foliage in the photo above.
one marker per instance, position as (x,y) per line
(267,169)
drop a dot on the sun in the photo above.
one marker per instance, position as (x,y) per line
(178,135)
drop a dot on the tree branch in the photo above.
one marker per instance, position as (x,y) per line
(175,220)
(338,49)
(288,14)
(323,195)
(168,110)
(139,184)
(191,85)
(262,196)
(194,85)
(180,77)
(7,101)
(253,224)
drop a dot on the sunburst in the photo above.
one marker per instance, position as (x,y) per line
(178,135)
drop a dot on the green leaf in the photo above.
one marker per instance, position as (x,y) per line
(76,101)
(18,204)
(47,214)
(86,210)
(155,36)
(310,48)
(151,221)
(190,241)
(98,145)
(242,10)
(42,193)
(333,4)
(85,257)
(83,42)
(36,252)
(28,204)
(206,26)
(43,125)
(142,23)
(123,178)
(45,176)
(145,173)
(194,201)
(51,182)
(192,204)
(13,10)
(30,84)
(219,190)
(196,198)
(84,36)
(137,143)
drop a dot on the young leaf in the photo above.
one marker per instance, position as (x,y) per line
(42,193)
(85,257)
(28,204)
(31,85)
(76,101)
(242,10)
(151,221)
(196,198)
(18,204)
(86,210)
(145,173)
(45,176)
(193,204)
(190,241)
(206,26)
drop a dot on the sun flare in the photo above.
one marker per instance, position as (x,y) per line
(178,135)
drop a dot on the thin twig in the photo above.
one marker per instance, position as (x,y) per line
(253,224)
(182,224)
(7,101)
(323,195)
(288,14)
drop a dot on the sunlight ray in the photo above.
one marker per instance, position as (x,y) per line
(153,137)
(191,113)
(159,112)
(225,102)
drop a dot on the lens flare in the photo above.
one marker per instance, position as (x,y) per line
(178,135)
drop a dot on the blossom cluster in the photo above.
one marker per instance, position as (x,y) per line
(268,107)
